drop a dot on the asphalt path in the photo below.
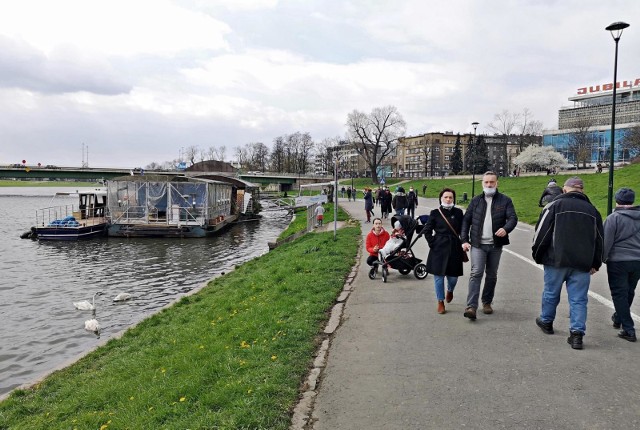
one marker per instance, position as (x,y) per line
(395,363)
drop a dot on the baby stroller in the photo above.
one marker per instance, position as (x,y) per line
(402,258)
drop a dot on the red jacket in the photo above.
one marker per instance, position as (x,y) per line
(373,240)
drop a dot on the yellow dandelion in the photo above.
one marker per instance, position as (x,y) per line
(131,398)
(182,399)
(104,427)
(163,370)
(201,346)
(274,357)
(249,391)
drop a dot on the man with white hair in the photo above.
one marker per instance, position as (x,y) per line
(568,241)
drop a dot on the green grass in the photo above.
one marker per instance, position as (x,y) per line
(526,191)
(232,356)
(9,183)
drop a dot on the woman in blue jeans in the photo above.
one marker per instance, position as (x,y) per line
(442,232)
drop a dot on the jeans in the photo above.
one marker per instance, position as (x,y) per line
(623,277)
(411,211)
(577,291)
(400,211)
(486,258)
(439,284)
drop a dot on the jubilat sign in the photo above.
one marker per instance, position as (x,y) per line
(608,87)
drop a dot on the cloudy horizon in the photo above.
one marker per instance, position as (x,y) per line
(136,81)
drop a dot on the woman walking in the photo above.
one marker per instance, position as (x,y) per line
(445,259)
(368,203)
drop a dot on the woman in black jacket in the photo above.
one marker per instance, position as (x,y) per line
(442,232)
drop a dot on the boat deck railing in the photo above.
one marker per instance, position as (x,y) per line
(53,215)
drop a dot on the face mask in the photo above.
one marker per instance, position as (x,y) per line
(447,205)
(489,191)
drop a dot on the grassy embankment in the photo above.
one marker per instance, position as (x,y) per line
(525,191)
(8,183)
(231,356)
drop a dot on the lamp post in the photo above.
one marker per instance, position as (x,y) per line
(616,32)
(473,159)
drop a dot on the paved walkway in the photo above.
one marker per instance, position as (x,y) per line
(394,363)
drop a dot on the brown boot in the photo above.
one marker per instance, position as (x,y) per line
(449,296)
(441,309)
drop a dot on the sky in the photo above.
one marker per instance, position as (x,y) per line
(137,81)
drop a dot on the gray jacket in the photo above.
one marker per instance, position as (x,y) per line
(622,235)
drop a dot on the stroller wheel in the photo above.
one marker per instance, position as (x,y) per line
(404,271)
(420,271)
(372,273)
(385,273)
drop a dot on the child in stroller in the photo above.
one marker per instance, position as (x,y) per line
(394,243)
(397,253)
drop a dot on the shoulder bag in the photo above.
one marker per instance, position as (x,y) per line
(465,256)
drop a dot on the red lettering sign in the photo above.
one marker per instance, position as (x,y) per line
(608,87)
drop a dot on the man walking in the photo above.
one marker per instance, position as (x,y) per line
(399,201)
(486,225)
(412,202)
(568,242)
(622,255)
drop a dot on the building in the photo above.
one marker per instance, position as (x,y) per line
(591,111)
(350,163)
(427,155)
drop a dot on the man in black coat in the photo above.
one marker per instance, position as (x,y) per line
(487,223)
(569,243)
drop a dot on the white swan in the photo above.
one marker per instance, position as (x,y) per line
(92,325)
(122,297)
(84,305)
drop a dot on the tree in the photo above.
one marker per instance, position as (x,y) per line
(504,124)
(322,151)
(481,155)
(581,140)
(375,135)
(631,141)
(428,155)
(540,158)
(529,129)
(456,159)
(277,157)
(190,153)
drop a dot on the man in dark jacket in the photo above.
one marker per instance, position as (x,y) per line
(399,201)
(551,192)
(568,241)
(487,223)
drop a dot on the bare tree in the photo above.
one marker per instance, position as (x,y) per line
(529,129)
(375,135)
(426,150)
(631,140)
(190,153)
(322,151)
(581,140)
(278,155)
(503,124)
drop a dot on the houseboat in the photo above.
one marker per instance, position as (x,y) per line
(169,206)
(84,220)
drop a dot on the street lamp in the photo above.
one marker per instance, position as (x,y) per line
(616,32)
(473,160)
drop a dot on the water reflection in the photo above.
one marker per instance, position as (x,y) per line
(41,328)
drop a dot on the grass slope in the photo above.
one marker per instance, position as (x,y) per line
(231,356)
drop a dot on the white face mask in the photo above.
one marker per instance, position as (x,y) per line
(447,205)
(489,191)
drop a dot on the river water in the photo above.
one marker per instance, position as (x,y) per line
(39,327)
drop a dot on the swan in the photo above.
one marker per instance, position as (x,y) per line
(92,325)
(84,305)
(122,297)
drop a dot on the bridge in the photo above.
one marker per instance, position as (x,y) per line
(286,182)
